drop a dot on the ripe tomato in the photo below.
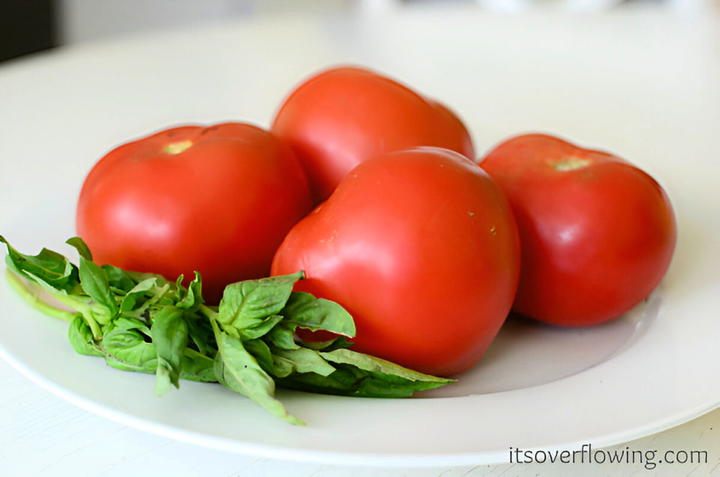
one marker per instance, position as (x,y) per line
(597,233)
(421,247)
(342,116)
(218,200)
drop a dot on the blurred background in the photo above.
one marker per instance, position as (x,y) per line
(36,25)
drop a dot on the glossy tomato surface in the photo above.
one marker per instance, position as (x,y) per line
(421,247)
(597,233)
(343,116)
(218,200)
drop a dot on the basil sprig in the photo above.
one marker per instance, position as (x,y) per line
(144,323)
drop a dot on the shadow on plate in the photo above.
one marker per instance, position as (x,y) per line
(529,353)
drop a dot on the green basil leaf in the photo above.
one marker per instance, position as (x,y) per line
(130,323)
(262,354)
(81,338)
(179,285)
(197,367)
(170,336)
(119,279)
(282,336)
(246,304)
(345,381)
(46,286)
(238,370)
(50,267)
(378,365)
(260,328)
(153,298)
(201,335)
(306,360)
(358,374)
(282,367)
(130,300)
(193,295)
(306,311)
(351,381)
(81,247)
(330,345)
(126,349)
(95,283)
(165,295)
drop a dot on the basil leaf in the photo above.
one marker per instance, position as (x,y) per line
(282,336)
(330,345)
(306,311)
(238,370)
(351,381)
(197,367)
(262,354)
(193,295)
(385,379)
(170,336)
(95,283)
(358,374)
(345,381)
(179,285)
(201,336)
(152,299)
(249,339)
(118,278)
(81,247)
(306,360)
(126,349)
(282,367)
(81,338)
(130,300)
(45,285)
(378,365)
(260,328)
(50,267)
(246,304)
(130,323)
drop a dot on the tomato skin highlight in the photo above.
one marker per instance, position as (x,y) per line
(343,116)
(422,249)
(597,233)
(218,200)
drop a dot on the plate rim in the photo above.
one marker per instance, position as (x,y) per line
(360,459)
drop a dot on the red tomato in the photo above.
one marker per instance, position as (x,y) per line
(422,249)
(218,200)
(597,233)
(343,116)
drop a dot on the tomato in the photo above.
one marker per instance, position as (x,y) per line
(343,116)
(421,247)
(597,233)
(218,200)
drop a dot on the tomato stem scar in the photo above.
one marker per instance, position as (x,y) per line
(177,147)
(570,163)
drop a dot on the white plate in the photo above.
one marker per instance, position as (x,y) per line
(645,97)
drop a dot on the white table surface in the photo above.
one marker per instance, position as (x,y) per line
(42,435)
